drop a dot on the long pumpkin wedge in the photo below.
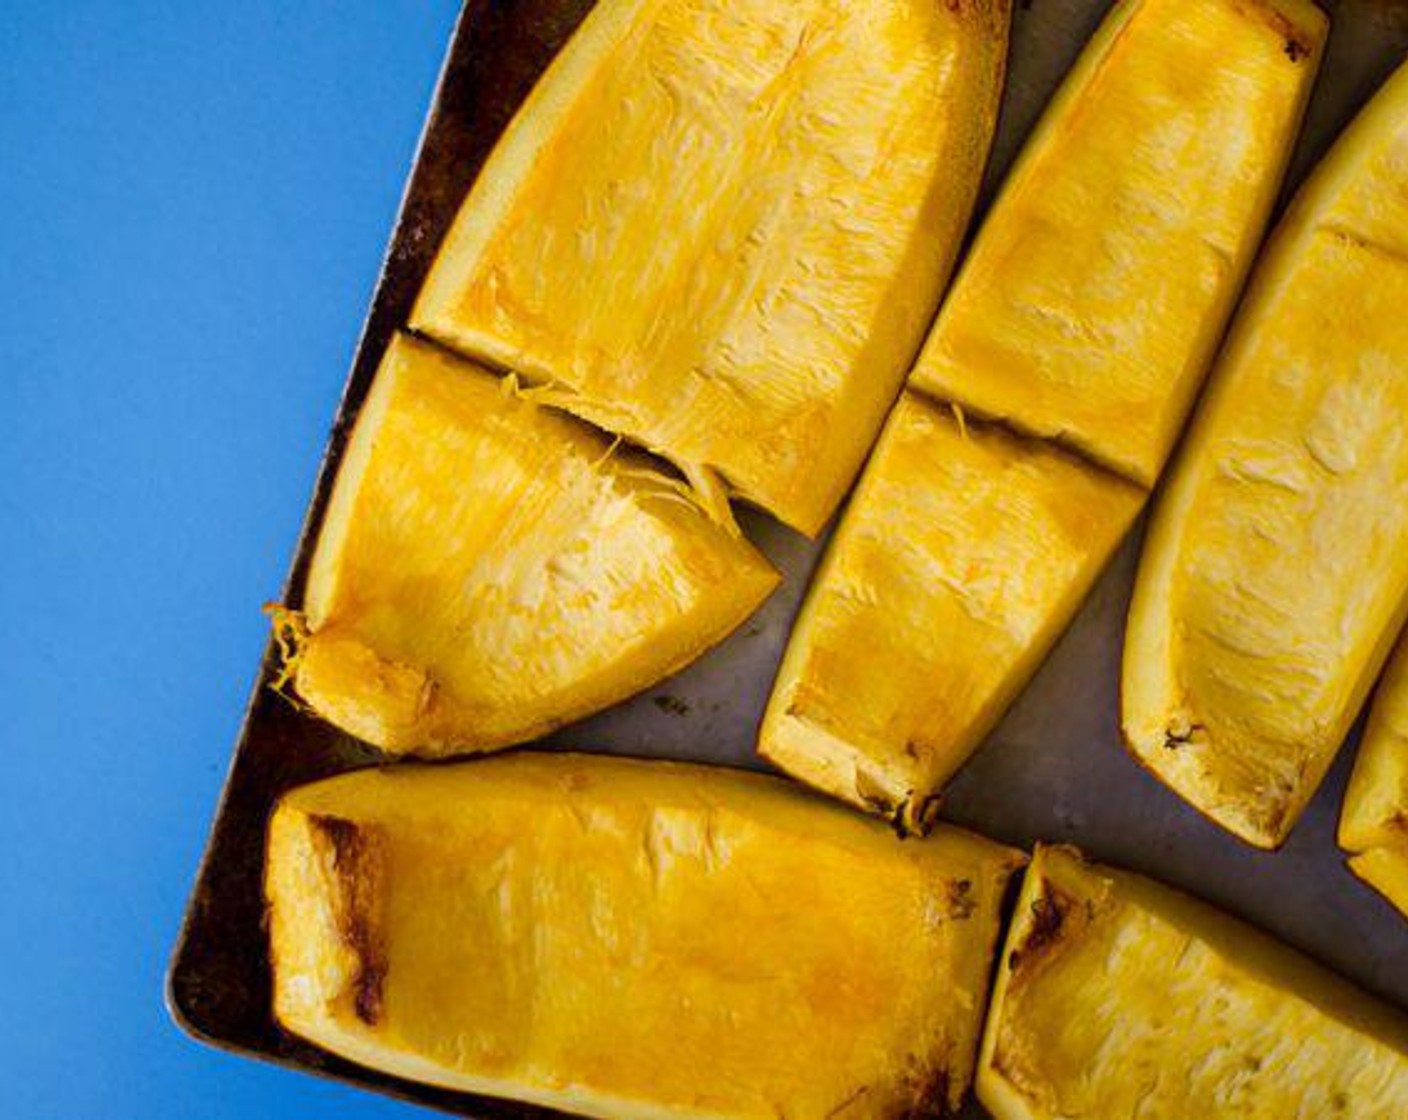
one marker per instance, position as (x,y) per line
(1374,823)
(1275,576)
(489,569)
(632,939)
(1121,998)
(1096,290)
(721,227)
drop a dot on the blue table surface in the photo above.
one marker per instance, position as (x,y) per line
(194,200)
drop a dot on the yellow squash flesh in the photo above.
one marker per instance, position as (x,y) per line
(721,227)
(1121,999)
(489,569)
(1275,576)
(632,939)
(1385,868)
(962,555)
(1374,824)
(1094,297)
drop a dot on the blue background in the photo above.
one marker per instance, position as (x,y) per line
(194,199)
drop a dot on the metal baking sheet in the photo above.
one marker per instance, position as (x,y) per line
(1053,770)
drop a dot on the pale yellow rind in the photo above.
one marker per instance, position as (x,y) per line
(1374,821)
(1121,999)
(632,939)
(1096,292)
(1376,802)
(962,555)
(1275,573)
(721,227)
(489,569)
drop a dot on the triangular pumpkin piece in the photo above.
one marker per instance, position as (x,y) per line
(489,569)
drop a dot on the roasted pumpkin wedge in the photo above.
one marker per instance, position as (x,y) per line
(721,227)
(1275,575)
(1374,825)
(963,553)
(488,569)
(1094,297)
(622,938)
(1120,998)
